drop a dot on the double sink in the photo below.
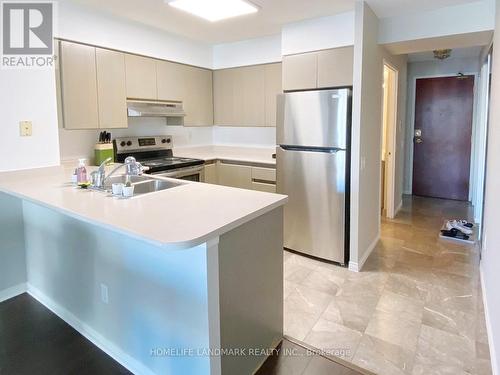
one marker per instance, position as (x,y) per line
(143,184)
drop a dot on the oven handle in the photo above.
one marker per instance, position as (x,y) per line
(180,172)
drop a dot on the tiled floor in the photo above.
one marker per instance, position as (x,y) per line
(416,308)
(294,359)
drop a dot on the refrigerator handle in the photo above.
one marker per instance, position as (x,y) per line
(327,150)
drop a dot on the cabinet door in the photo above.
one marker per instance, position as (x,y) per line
(224,96)
(111,89)
(335,67)
(265,187)
(198,101)
(273,88)
(239,176)
(171,81)
(211,173)
(300,71)
(249,91)
(141,77)
(78,86)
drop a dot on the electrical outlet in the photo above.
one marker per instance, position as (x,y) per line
(104,293)
(25,128)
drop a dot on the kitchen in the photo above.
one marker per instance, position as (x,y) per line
(225,148)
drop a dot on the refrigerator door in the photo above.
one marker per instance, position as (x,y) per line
(315,213)
(314,118)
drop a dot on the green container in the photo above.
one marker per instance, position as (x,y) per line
(102,151)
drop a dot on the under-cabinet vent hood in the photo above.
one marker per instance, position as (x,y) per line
(146,108)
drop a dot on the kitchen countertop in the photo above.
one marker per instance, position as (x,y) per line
(241,154)
(180,217)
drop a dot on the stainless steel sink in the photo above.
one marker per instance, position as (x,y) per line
(153,185)
(123,179)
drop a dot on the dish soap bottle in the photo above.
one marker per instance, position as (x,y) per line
(81,172)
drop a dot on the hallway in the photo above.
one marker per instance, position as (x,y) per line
(416,308)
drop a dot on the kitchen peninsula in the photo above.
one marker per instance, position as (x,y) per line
(158,280)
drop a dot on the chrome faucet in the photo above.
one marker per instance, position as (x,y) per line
(99,177)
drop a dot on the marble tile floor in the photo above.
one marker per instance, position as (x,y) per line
(416,308)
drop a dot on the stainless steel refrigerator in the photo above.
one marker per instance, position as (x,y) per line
(313,169)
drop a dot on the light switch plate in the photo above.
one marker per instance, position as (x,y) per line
(25,128)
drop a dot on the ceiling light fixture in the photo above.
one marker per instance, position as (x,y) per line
(215,10)
(442,54)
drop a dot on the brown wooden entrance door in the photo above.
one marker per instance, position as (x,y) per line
(442,138)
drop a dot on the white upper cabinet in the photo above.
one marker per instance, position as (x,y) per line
(140,77)
(321,69)
(246,96)
(78,86)
(111,89)
(190,85)
(300,71)
(273,82)
(335,67)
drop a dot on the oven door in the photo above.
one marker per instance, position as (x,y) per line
(189,173)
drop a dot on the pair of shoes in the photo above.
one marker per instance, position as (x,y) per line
(455,233)
(465,223)
(458,225)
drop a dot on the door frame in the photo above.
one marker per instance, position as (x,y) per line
(391,146)
(409,136)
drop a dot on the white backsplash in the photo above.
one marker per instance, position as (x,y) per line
(76,144)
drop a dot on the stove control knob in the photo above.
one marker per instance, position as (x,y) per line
(122,143)
(169,140)
(129,143)
(164,140)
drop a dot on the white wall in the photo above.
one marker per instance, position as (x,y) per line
(244,136)
(77,144)
(459,19)
(247,52)
(79,23)
(421,70)
(12,254)
(490,262)
(400,63)
(366,136)
(28,95)
(318,33)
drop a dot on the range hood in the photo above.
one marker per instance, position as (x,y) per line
(148,108)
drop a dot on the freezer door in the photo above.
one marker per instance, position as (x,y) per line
(315,212)
(313,118)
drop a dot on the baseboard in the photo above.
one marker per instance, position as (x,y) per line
(494,364)
(12,292)
(358,266)
(90,334)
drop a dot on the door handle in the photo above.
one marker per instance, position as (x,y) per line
(418,140)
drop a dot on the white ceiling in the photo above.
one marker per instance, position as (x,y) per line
(273,14)
(472,52)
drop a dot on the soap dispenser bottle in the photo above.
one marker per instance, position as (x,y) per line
(81,172)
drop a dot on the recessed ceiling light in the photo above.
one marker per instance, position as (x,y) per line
(215,10)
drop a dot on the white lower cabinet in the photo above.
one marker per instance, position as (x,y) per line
(211,173)
(234,175)
(241,176)
(264,186)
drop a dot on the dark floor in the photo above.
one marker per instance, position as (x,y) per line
(295,359)
(35,341)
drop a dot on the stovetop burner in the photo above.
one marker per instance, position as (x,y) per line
(168,163)
(155,153)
